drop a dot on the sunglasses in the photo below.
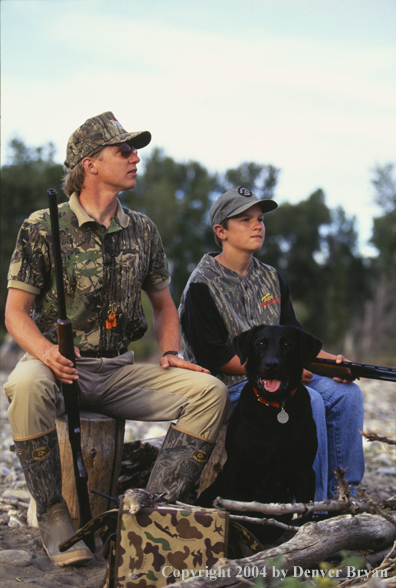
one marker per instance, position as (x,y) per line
(126,149)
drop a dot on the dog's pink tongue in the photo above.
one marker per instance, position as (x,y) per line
(271,385)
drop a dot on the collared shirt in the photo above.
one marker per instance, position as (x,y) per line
(104,271)
(218,304)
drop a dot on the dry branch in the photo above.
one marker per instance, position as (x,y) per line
(277,509)
(375,437)
(263,522)
(377,508)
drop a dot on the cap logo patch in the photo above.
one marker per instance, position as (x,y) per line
(244,191)
(41,453)
(116,123)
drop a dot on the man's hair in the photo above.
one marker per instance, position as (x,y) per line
(73,180)
(218,241)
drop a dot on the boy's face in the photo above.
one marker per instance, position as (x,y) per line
(245,232)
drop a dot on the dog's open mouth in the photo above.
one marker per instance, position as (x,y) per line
(272,388)
(271,385)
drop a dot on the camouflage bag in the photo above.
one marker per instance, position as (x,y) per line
(159,545)
(166,544)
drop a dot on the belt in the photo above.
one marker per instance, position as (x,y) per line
(103,353)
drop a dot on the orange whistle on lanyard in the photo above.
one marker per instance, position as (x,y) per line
(111,321)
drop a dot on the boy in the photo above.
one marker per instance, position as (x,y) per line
(230,292)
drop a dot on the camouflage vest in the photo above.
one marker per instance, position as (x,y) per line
(104,271)
(243,302)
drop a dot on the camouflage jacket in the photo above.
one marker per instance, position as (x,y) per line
(218,304)
(104,271)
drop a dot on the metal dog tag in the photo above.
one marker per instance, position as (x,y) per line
(282,416)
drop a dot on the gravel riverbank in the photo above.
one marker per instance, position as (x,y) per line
(22,558)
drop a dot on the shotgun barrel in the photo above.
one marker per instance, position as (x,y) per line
(70,392)
(348,370)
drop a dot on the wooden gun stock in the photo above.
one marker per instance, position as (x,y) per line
(70,391)
(348,370)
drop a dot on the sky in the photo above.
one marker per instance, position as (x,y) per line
(308,86)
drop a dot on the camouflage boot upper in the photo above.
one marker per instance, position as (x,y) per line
(179,465)
(40,461)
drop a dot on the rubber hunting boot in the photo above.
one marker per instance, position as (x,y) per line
(179,465)
(40,461)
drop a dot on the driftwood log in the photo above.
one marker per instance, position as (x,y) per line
(300,557)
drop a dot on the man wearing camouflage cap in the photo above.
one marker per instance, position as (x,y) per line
(110,254)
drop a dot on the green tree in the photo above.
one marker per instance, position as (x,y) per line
(261,179)
(376,332)
(177,197)
(315,249)
(293,245)
(24,184)
(312,246)
(384,227)
(346,277)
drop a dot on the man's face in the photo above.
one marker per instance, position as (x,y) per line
(116,167)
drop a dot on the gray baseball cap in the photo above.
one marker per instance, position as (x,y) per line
(99,131)
(236,201)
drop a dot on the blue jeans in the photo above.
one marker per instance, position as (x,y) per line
(337,410)
(344,407)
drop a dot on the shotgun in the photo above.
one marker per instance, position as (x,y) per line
(70,391)
(347,370)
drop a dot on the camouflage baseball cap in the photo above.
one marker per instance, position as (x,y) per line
(99,131)
(236,201)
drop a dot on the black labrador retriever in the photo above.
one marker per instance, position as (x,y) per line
(271,438)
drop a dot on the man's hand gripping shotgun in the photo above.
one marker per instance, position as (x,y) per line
(70,391)
(348,370)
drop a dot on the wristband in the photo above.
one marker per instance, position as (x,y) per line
(173,353)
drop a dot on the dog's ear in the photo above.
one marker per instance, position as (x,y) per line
(309,347)
(241,343)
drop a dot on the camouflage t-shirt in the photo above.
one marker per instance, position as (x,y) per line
(104,271)
(218,304)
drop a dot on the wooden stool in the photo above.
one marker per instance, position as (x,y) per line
(102,439)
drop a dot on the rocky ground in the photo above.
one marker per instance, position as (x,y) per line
(23,559)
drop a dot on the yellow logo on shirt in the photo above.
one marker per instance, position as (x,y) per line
(269,299)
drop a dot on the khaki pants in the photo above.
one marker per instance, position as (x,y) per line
(120,389)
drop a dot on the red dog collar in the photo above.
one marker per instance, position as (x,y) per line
(276,404)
